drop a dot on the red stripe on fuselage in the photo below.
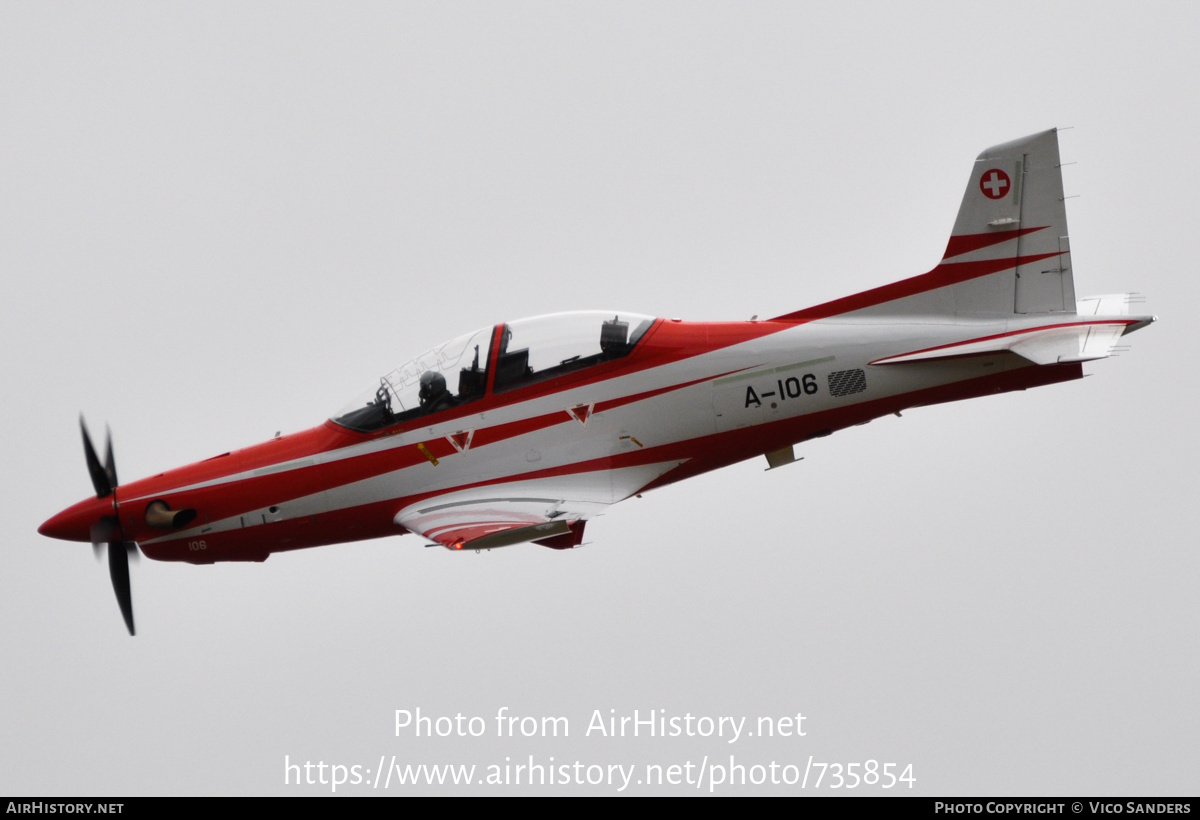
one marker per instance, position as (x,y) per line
(944,275)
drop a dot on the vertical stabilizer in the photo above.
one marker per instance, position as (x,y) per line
(1013,210)
(1007,256)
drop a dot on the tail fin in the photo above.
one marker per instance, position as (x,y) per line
(1013,212)
(1008,254)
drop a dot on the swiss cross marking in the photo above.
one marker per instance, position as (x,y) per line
(995,184)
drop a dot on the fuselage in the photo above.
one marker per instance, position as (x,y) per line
(687,398)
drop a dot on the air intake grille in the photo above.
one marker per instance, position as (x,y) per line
(847,382)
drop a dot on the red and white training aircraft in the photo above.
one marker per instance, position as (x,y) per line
(522,431)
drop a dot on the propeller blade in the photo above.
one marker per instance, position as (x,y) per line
(99,474)
(110,463)
(118,569)
(102,533)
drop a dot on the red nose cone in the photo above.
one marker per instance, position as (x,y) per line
(75,522)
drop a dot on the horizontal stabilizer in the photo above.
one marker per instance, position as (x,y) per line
(1048,344)
(1115,304)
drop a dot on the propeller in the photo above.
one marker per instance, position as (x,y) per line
(107,530)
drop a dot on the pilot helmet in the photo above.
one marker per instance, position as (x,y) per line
(433,384)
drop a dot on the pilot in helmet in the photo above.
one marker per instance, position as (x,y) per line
(434,395)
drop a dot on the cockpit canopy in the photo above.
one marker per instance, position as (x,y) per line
(523,352)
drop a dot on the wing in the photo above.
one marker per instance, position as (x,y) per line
(549,511)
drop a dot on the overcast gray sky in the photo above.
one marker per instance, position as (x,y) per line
(220,220)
